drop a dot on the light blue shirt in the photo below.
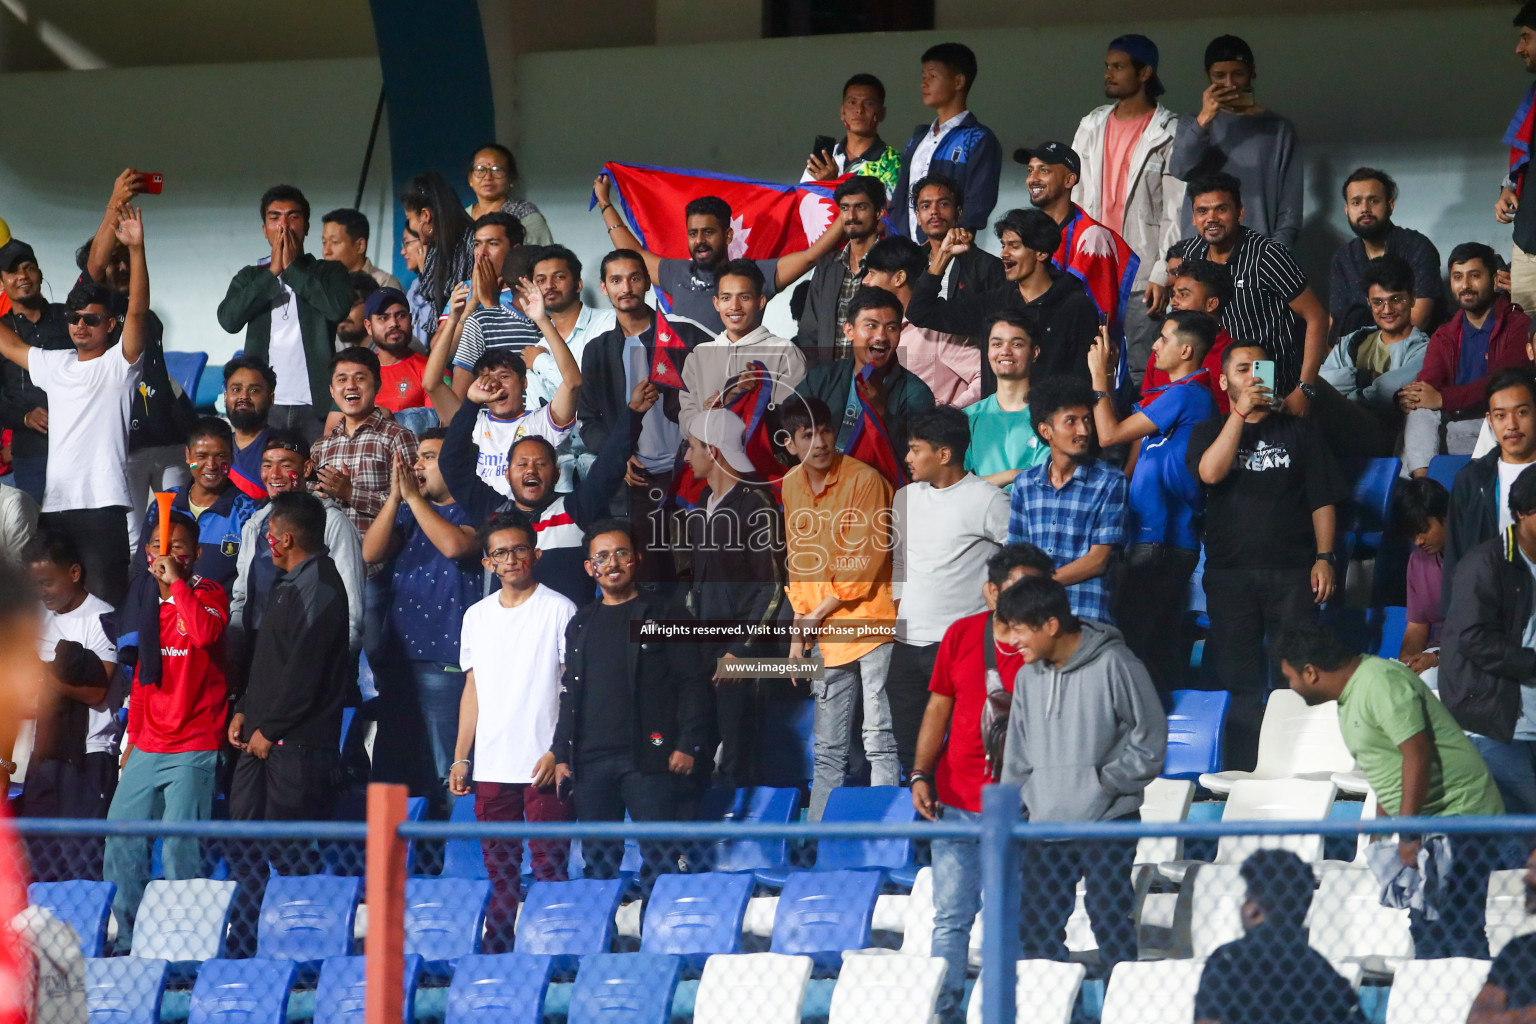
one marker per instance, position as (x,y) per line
(660,438)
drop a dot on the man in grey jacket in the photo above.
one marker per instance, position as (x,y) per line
(1086,734)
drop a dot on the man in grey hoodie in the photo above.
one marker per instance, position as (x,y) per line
(1086,734)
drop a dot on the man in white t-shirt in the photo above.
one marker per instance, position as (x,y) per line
(73,771)
(512,648)
(90,403)
(501,386)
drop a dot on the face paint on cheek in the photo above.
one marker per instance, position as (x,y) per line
(272,543)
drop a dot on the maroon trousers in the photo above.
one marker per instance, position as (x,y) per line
(512,801)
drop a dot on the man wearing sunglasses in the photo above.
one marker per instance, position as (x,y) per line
(90,397)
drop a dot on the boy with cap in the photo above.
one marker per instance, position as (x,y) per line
(1124,182)
(1236,136)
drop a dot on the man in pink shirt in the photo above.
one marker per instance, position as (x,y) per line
(949,364)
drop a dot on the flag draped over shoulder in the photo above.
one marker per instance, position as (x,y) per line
(1518,136)
(870,443)
(1107,266)
(751,401)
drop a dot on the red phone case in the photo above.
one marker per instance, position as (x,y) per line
(153,183)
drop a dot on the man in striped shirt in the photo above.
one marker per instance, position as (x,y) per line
(1271,303)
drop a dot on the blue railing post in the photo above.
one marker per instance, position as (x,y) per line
(999,903)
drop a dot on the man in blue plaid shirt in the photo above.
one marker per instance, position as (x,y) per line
(1072,506)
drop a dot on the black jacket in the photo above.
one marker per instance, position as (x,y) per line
(603,399)
(905,396)
(301,671)
(669,681)
(738,566)
(975,271)
(818,330)
(18,395)
(1069,321)
(1483,659)
(1473,517)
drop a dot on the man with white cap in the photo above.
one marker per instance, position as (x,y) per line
(735,536)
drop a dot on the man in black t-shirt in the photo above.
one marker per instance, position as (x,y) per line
(1271,975)
(1271,487)
(1510,992)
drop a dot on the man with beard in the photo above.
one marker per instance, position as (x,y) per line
(1369,199)
(1066,315)
(387,318)
(1446,403)
(24,405)
(860,203)
(1272,304)
(691,282)
(939,203)
(559,517)
(249,385)
(1511,207)
(556,273)
(1271,491)
(1124,182)
(1072,506)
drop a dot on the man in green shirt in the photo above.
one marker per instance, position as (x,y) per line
(1418,762)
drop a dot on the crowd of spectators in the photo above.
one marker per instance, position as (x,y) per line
(452,504)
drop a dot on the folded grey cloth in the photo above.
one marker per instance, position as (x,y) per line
(1416,887)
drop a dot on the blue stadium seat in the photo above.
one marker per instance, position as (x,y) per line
(1392,623)
(822,913)
(124,989)
(568,919)
(764,804)
(625,988)
(444,919)
(696,915)
(1196,726)
(307,919)
(186,368)
(889,804)
(786,749)
(1443,468)
(84,906)
(463,858)
(253,991)
(1371,502)
(507,988)
(339,996)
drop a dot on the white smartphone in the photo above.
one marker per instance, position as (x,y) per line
(1264,373)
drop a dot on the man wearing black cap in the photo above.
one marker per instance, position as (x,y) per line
(24,405)
(1124,182)
(387,318)
(1092,252)
(1068,321)
(1234,135)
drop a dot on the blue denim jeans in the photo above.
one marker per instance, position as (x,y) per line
(439,689)
(835,696)
(956,902)
(1513,767)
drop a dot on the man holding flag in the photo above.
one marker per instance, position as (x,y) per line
(713,236)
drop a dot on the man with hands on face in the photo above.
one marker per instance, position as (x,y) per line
(176,716)
(633,716)
(289,305)
(1272,489)
(513,649)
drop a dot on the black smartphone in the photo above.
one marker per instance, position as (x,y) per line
(563,788)
(824,144)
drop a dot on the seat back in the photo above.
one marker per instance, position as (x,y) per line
(1295,739)
(1393,623)
(1153,992)
(505,988)
(1443,469)
(1506,909)
(822,913)
(1276,800)
(183,920)
(1371,497)
(757,804)
(463,858)
(625,988)
(83,905)
(1348,922)
(890,989)
(767,988)
(124,989)
(1216,898)
(866,803)
(1049,989)
(186,369)
(444,918)
(1435,991)
(568,918)
(307,917)
(340,994)
(696,914)
(1196,728)
(1167,801)
(253,991)
(917,936)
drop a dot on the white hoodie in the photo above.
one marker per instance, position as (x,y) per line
(712,364)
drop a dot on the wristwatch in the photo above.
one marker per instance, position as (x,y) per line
(1100,395)
(1327,556)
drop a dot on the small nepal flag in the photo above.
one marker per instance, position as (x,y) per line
(671,350)
(870,442)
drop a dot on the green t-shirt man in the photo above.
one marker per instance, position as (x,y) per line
(1385,704)
(1002,440)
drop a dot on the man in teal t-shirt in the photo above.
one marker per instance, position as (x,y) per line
(1418,762)
(1003,441)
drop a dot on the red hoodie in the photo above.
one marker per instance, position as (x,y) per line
(186,712)
(1506,348)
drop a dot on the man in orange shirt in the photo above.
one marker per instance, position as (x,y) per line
(387,318)
(837,514)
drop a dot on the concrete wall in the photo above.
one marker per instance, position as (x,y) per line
(221,135)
